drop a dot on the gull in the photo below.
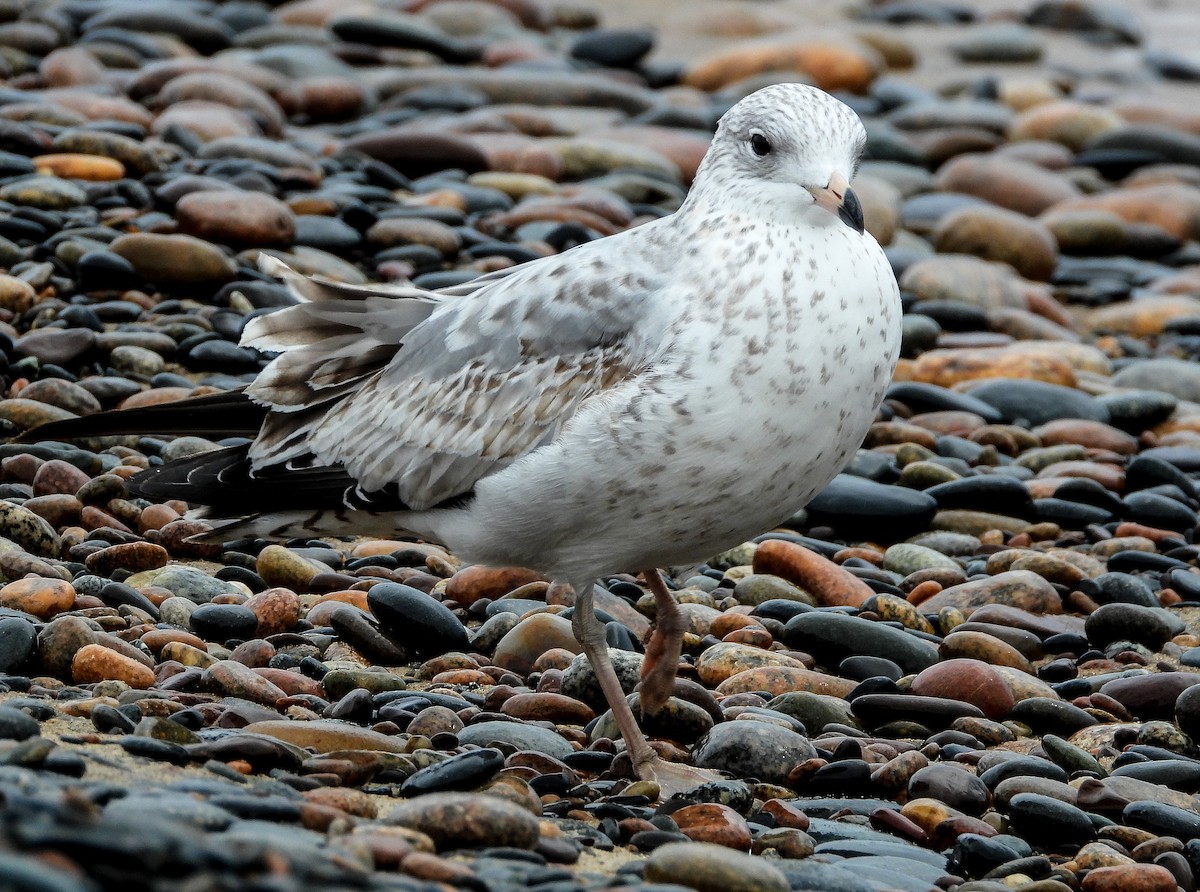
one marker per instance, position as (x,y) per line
(641,401)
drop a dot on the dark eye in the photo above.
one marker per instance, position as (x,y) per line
(760,144)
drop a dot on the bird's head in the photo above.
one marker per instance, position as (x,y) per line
(787,149)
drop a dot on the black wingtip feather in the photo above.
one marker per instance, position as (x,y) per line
(216,415)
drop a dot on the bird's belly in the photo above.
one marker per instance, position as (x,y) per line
(729,444)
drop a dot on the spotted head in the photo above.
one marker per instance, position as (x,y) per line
(783,151)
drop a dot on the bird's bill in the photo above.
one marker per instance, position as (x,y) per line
(839,199)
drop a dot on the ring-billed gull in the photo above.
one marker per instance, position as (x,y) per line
(640,401)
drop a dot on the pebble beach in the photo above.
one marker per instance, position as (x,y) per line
(971,664)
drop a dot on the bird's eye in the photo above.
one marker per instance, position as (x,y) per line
(760,144)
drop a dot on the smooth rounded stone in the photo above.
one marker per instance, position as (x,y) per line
(63,394)
(1136,410)
(809,873)
(325,736)
(463,820)
(1174,376)
(1021,589)
(521,647)
(59,641)
(971,681)
(1159,511)
(678,719)
(466,771)
(1004,42)
(1130,622)
(241,218)
(862,508)
(43,598)
(975,855)
(417,153)
(1037,402)
(17,640)
(1150,697)
(416,621)
(1161,818)
(906,558)
(1178,774)
(1042,786)
(613,47)
(579,680)
(95,663)
(340,682)
(548,707)
(16,725)
(935,713)
(999,235)
(1129,878)
(1015,766)
(56,346)
(714,823)
(328,233)
(221,622)
(394,231)
(758,588)
(963,279)
(237,680)
(829,584)
(517,735)
(136,361)
(358,630)
(175,260)
(814,711)
(1054,716)
(286,568)
(831,637)
(25,528)
(919,333)
(1008,182)
(708,867)
(1143,318)
(724,660)
(1052,824)
(983,646)
(1187,712)
(1003,495)
(184,582)
(44,192)
(488,636)
(954,786)
(762,751)
(131,556)
(864,667)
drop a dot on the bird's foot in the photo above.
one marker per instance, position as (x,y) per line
(674,778)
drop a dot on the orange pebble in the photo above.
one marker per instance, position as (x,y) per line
(751,635)
(923,591)
(1152,533)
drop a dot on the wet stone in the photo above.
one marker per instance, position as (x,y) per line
(457,820)
(466,771)
(221,622)
(708,867)
(416,621)
(768,752)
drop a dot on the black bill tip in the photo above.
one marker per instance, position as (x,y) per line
(851,212)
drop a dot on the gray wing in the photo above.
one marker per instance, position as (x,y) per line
(484,376)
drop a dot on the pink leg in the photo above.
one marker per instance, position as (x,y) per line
(671,777)
(590,634)
(663,648)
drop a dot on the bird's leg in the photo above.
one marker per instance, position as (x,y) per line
(590,634)
(663,648)
(671,777)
